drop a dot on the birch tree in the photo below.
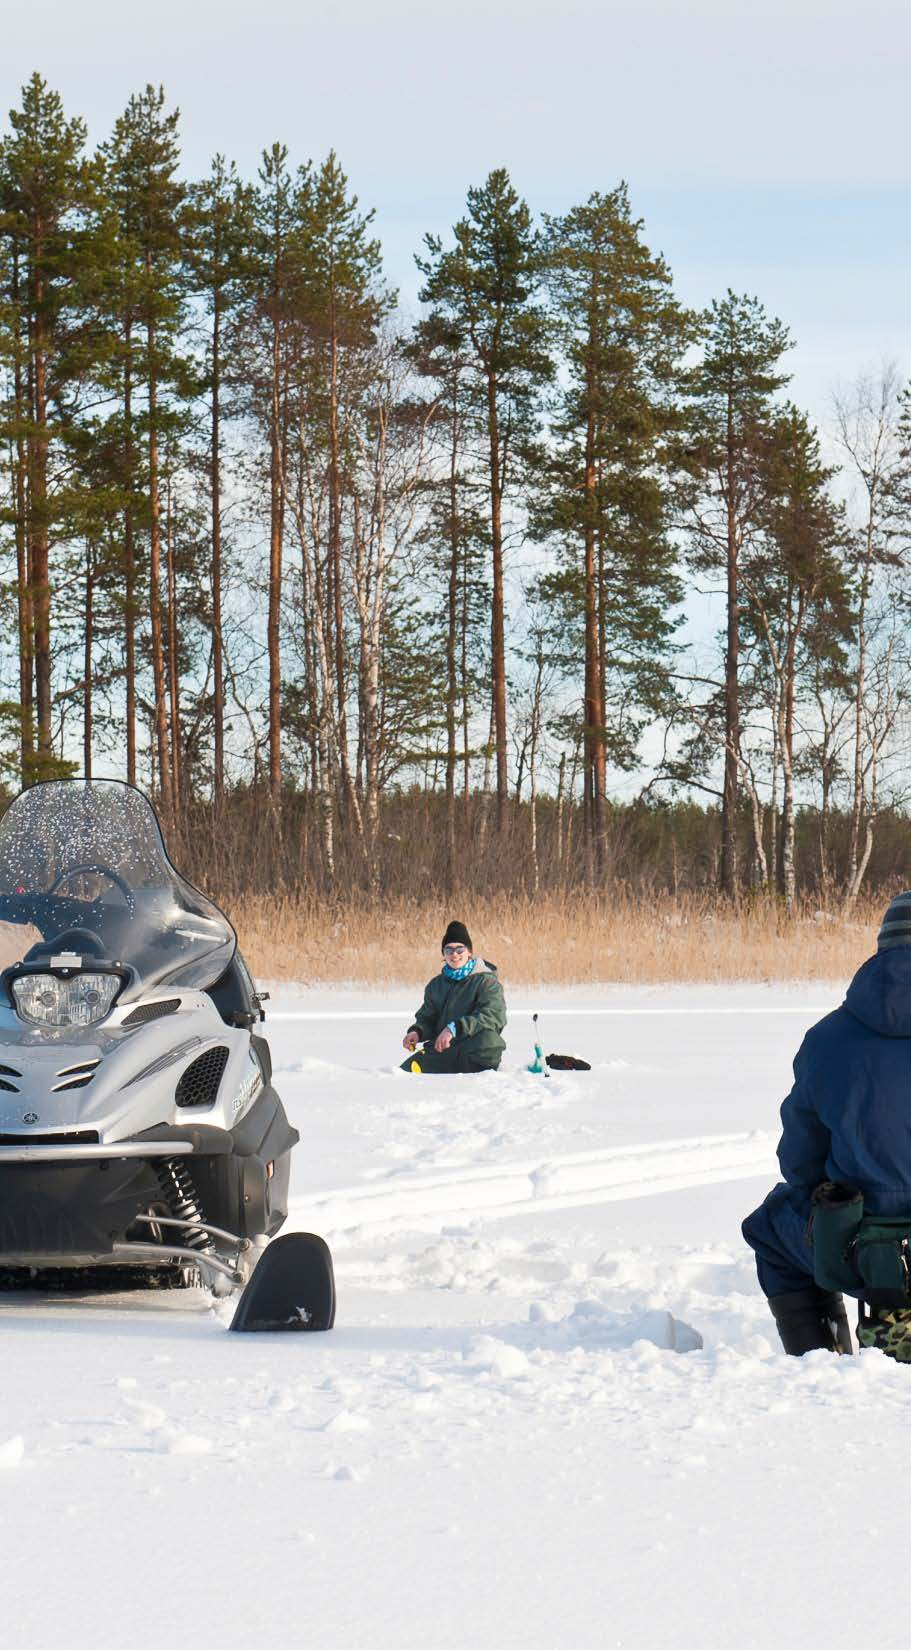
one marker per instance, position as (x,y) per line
(867,421)
(792,577)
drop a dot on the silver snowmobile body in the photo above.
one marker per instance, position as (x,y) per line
(138,1122)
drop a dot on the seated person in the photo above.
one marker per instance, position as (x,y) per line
(845,1120)
(462,1015)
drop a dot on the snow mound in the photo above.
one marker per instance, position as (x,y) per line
(496,1357)
(12,1452)
(598,1328)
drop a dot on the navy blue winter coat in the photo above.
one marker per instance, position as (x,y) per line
(848,1117)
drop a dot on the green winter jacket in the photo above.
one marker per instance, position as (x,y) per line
(476,1005)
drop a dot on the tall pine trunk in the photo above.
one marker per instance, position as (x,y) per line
(158,668)
(594,703)
(276,533)
(452,620)
(87,650)
(335,558)
(38,515)
(728,869)
(465,707)
(129,560)
(23,548)
(173,656)
(218,700)
(497,626)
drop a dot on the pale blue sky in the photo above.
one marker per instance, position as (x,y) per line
(766,147)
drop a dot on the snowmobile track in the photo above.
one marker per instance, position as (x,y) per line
(571,1181)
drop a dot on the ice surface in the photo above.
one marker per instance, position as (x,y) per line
(553,1415)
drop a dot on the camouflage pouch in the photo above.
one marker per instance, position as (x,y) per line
(888,1330)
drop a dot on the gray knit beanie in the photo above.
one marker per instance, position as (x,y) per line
(895,928)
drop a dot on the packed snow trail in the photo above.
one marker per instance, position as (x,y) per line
(553,1415)
(569,1182)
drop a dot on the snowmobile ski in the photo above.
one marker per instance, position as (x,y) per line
(292,1287)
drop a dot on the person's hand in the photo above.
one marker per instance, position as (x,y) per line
(410,1041)
(443,1041)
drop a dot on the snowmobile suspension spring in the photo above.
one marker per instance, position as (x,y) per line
(177,1186)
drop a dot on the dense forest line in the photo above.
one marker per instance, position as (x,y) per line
(368,602)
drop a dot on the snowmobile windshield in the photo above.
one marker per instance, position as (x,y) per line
(83,868)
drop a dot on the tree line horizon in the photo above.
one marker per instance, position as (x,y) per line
(262,537)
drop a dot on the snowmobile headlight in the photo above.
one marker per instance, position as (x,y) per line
(48,1000)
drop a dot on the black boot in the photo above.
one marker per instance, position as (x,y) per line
(811,1319)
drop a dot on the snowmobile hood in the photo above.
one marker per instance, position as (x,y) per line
(879,995)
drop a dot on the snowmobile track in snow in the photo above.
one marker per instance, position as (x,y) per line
(610,1011)
(570,1181)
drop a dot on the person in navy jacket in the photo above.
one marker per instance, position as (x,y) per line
(847,1118)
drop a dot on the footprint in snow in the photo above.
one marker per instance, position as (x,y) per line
(182,1443)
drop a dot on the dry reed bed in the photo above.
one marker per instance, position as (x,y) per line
(555,940)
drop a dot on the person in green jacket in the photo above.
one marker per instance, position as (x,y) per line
(462,1015)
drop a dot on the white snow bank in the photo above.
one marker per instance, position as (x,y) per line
(552,1416)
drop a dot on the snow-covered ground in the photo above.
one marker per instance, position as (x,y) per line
(553,1414)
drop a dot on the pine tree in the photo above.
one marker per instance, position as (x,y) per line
(50,343)
(486,285)
(795,588)
(605,495)
(457,538)
(14,361)
(219,227)
(733,391)
(269,325)
(344,301)
(142,159)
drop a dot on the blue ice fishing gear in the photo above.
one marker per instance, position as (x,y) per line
(537,1065)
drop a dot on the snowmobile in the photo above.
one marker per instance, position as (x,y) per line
(139,1128)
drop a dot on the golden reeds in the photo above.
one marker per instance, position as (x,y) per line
(559,940)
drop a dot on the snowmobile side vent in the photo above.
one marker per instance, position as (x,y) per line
(77,1076)
(145,1012)
(198,1085)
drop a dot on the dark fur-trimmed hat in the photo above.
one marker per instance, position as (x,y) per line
(457,934)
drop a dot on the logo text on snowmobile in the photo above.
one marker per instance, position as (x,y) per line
(30,1117)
